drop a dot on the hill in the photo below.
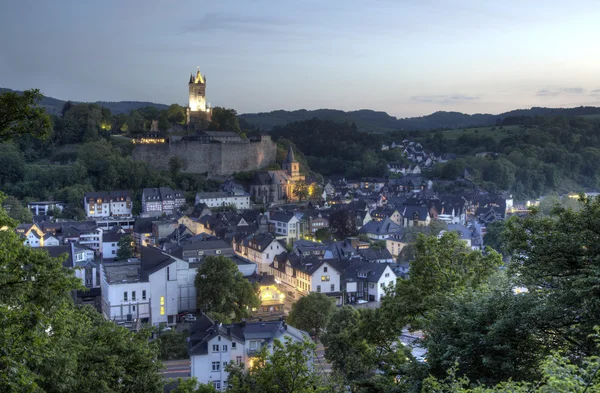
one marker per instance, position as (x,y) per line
(374,121)
(54,106)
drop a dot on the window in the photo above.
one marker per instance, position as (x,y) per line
(387,274)
(216,366)
(224,347)
(224,364)
(133,296)
(381,285)
(332,287)
(144,294)
(124,296)
(162,305)
(217,384)
(133,308)
(168,273)
(253,345)
(233,345)
(218,251)
(238,360)
(325,278)
(267,255)
(324,269)
(318,288)
(216,348)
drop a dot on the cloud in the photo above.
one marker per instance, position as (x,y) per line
(595,93)
(222,22)
(445,98)
(561,91)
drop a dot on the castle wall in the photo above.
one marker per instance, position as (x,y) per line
(217,159)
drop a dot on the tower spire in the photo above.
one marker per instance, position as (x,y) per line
(290,156)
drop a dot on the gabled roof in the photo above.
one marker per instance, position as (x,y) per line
(260,241)
(281,216)
(375,255)
(290,156)
(143,225)
(262,178)
(380,228)
(354,270)
(411,212)
(56,251)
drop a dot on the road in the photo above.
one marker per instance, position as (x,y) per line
(176,369)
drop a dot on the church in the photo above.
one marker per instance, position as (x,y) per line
(277,186)
(197,110)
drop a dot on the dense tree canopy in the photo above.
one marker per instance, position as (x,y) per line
(51,345)
(20,114)
(222,288)
(312,312)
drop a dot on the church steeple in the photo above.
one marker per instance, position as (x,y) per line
(290,156)
(191,79)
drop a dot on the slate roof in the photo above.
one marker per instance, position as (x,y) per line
(413,211)
(153,259)
(112,237)
(261,241)
(381,228)
(161,194)
(143,225)
(375,255)
(56,251)
(262,178)
(281,216)
(373,271)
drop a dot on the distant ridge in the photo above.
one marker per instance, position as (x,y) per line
(374,121)
(54,106)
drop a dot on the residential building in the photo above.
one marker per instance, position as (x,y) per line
(110,243)
(260,249)
(272,299)
(212,345)
(415,215)
(161,200)
(107,204)
(152,290)
(463,233)
(380,230)
(307,248)
(395,244)
(286,225)
(196,251)
(277,186)
(377,256)
(366,280)
(299,275)
(241,201)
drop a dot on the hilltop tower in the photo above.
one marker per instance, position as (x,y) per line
(197,107)
(291,165)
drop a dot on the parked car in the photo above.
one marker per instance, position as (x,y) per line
(361,301)
(189,318)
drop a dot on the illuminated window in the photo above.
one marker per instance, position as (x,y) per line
(162,305)
(325,278)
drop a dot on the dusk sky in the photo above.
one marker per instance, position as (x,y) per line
(405,57)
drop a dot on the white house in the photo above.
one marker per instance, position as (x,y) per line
(260,249)
(213,345)
(380,230)
(286,225)
(367,281)
(219,199)
(107,204)
(110,244)
(44,207)
(308,274)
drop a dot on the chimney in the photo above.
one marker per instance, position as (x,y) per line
(243,322)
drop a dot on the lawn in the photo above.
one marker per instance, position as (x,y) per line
(496,132)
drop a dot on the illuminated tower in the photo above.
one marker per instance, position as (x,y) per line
(197,108)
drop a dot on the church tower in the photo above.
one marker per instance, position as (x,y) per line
(291,166)
(197,107)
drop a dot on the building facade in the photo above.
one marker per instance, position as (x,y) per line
(241,201)
(107,204)
(161,200)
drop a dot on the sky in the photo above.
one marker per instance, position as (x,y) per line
(404,57)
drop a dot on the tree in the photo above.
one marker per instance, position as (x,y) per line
(172,345)
(323,234)
(20,114)
(223,119)
(300,190)
(494,236)
(12,164)
(176,114)
(287,369)
(17,211)
(56,346)
(125,250)
(378,245)
(223,289)
(312,313)
(557,258)
(176,164)
(346,350)
(342,224)
(191,385)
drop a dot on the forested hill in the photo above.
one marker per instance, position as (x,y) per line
(54,106)
(373,121)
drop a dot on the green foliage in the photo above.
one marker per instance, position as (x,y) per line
(323,234)
(221,288)
(172,345)
(378,245)
(312,312)
(17,211)
(287,369)
(223,119)
(20,114)
(342,224)
(12,164)
(301,190)
(125,250)
(557,259)
(176,164)
(494,236)
(335,147)
(191,385)
(56,346)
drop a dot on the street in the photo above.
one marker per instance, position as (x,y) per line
(176,369)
